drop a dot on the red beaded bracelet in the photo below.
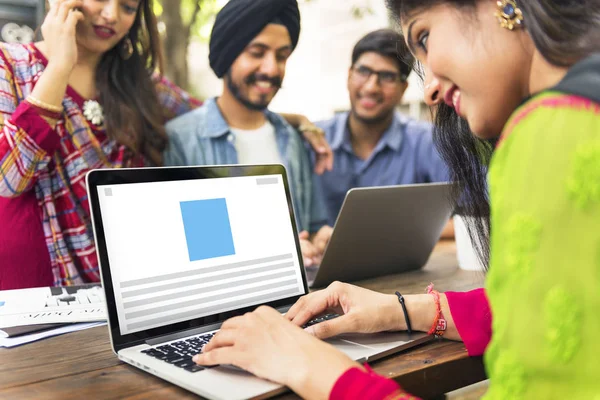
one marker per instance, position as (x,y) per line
(438,328)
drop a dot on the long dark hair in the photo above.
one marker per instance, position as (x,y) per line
(132,114)
(564,32)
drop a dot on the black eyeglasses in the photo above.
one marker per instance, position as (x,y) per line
(387,78)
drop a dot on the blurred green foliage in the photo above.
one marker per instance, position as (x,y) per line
(202,26)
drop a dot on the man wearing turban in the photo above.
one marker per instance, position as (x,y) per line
(250,44)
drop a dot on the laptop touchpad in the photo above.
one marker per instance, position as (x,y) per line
(352,350)
(378,341)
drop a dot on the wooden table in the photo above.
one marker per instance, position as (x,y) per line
(81,365)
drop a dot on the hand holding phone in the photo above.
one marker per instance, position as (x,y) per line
(59,32)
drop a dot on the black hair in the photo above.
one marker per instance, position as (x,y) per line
(564,32)
(133,115)
(388,43)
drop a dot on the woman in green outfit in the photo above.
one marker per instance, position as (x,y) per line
(524,78)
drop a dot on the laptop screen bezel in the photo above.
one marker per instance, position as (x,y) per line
(98,178)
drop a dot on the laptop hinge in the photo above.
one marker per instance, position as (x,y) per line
(283,309)
(195,331)
(182,334)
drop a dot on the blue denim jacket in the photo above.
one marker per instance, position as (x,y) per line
(202,137)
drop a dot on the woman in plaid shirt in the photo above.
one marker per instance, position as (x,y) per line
(84,98)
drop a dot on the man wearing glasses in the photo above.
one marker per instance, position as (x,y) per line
(373,144)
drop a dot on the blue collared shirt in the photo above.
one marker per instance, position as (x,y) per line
(202,137)
(405,154)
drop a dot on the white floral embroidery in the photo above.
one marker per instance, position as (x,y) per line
(92,110)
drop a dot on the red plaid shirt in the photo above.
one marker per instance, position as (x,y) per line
(42,176)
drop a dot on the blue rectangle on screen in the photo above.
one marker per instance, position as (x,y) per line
(207,229)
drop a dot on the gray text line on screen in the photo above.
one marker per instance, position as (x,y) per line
(284,293)
(188,274)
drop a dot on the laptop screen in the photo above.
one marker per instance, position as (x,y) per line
(185,249)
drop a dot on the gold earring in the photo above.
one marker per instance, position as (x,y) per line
(508,14)
(126,49)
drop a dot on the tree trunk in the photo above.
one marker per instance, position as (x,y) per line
(175,43)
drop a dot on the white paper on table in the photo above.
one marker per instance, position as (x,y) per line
(40,306)
(24,339)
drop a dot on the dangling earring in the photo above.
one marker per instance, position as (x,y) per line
(508,14)
(126,49)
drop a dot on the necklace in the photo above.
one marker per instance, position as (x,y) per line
(92,110)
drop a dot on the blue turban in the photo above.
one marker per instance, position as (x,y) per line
(240,21)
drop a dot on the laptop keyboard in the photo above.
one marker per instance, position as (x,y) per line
(320,319)
(180,353)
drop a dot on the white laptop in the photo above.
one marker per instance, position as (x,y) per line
(183,249)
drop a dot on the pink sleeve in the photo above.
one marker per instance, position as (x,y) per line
(473,319)
(27,143)
(358,384)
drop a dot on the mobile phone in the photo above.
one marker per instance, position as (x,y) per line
(51,3)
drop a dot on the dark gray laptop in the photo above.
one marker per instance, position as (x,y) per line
(384,230)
